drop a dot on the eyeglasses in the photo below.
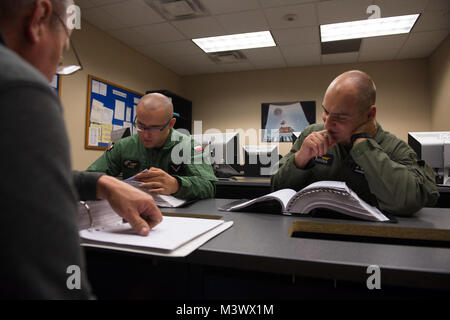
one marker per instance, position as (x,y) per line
(67,70)
(141,128)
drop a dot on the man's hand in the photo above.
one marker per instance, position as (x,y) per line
(369,127)
(135,206)
(158,181)
(315,144)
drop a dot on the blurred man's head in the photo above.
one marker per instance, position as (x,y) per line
(37,31)
(349,102)
(154,120)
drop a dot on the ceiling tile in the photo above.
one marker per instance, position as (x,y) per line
(84,4)
(391,8)
(263,54)
(133,13)
(299,55)
(128,36)
(239,66)
(384,42)
(347,57)
(377,54)
(227,6)
(200,27)
(429,39)
(414,52)
(342,10)
(432,20)
(101,19)
(296,36)
(177,48)
(161,32)
(434,5)
(248,21)
(278,3)
(306,16)
(104,2)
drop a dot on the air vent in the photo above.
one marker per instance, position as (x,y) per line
(227,57)
(178,9)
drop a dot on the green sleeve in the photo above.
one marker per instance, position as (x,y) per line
(400,183)
(197,181)
(109,162)
(288,175)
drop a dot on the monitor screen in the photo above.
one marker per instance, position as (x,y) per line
(119,134)
(434,149)
(223,148)
(259,160)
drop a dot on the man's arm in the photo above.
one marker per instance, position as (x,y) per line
(197,181)
(401,184)
(288,174)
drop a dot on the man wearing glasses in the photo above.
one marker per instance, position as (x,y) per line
(152,148)
(39,191)
(351,146)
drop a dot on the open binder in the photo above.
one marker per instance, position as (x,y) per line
(175,236)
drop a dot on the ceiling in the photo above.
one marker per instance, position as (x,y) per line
(168,42)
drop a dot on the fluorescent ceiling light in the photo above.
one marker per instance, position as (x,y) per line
(367,28)
(236,41)
(66,70)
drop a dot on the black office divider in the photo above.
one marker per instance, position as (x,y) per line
(181,106)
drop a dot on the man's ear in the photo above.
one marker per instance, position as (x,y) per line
(172,123)
(39,19)
(372,112)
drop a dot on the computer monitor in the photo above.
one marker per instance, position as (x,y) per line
(223,148)
(434,149)
(260,160)
(119,134)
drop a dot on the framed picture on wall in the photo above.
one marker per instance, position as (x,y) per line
(282,121)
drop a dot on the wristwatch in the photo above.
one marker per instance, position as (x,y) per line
(359,135)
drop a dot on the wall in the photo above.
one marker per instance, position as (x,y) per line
(109,59)
(233,100)
(440,87)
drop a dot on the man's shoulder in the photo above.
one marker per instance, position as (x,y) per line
(127,142)
(180,137)
(16,71)
(313,128)
(391,143)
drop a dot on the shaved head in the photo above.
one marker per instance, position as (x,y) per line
(357,85)
(155,110)
(155,102)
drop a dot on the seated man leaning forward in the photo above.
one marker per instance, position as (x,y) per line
(162,150)
(351,146)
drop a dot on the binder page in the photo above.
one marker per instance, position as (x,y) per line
(171,233)
(284,195)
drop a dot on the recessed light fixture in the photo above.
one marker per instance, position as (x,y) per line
(367,28)
(236,41)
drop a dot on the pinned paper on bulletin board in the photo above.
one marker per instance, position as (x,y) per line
(109,107)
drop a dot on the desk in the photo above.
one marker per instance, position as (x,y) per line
(256,258)
(242,187)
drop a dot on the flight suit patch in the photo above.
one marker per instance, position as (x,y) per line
(174,168)
(326,159)
(130,164)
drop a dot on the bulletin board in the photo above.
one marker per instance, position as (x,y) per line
(56,84)
(109,107)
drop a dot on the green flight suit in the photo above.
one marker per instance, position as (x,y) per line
(129,156)
(384,171)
